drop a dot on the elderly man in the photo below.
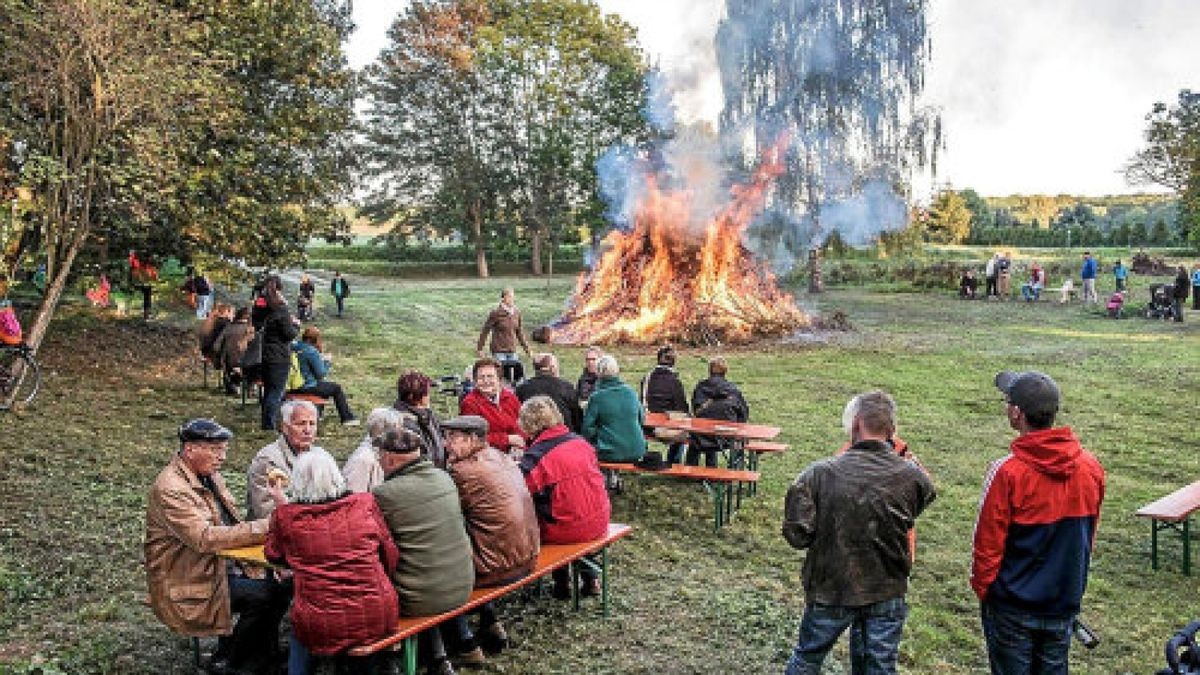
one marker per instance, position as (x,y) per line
(716,399)
(587,379)
(501,522)
(298,431)
(421,506)
(190,515)
(853,513)
(362,469)
(546,382)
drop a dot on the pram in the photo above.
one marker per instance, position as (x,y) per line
(304,308)
(1160,305)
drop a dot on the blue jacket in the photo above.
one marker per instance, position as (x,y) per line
(313,367)
(1120,272)
(1196,277)
(1089,269)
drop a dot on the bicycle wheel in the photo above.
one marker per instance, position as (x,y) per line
(20,377)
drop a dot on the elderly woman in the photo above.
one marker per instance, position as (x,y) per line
(341,552)
(614,418)
(362,470)
(563,476)
(412,401)
(494,403)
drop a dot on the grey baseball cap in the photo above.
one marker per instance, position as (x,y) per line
(1032,391)
(473,424)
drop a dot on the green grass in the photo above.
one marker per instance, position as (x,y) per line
(76,469)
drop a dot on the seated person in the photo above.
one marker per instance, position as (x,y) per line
(564,478)
(499,514)
(190,516)
(716,399)
(967,285)
(587,379)
(1032,290)
(212,327)
(546,382)
(662,392)
(230,346)
(297,433)
(314,366)
(1115,302)
(362,470)
(421,506)
(499,406)
(412,402)
(340,552)
(614,418)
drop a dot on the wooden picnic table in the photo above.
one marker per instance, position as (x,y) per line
(714,479)
(731,438)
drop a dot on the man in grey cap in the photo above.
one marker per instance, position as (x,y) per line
(190,516)
(1035,532)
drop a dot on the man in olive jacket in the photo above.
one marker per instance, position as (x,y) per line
(853,513)
(190,516)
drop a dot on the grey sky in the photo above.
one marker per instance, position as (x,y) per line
(1037,95)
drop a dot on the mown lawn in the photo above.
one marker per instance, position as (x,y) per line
(74,473)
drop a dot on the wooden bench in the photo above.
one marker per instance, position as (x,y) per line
(714,479)
(755,449)
(319,401)
(1172,513)
(551,557)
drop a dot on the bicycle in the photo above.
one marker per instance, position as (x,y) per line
(20,375)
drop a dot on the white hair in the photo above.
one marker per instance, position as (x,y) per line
(381,419)
(607,366)
(316,478)
(850,412)
(289,408)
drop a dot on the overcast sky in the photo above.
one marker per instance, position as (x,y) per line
(1042,96)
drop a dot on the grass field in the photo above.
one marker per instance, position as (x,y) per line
(75,470)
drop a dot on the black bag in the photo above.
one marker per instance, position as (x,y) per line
(1183,656)
(252,358)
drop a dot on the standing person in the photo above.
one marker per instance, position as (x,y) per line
(1004,270)
(1088,274)
(546,382)
(412,402)
(190,516)
(613,420)
(272,318)
(314,366)
(297,435)
(853,513)
(504,325)
(499,406)
(1180,294)
(340,289)
(716,399)
(1120,275)
(1196,287)
(990,270)
(967,285)
(662,392)
(341,554)
(1035,532)
(587,379)
(204,294)
(304,303)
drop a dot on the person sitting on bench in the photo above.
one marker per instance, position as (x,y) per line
(662,392)
(362,469)
(314,366)
(230,346)
(716,399)
(498,405)
(614,419)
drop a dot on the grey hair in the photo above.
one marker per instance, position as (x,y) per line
(607,366)
(381,419)
(316,478)
(876,409)
(539,414)
(288,409)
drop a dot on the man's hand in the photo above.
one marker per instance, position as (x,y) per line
(516,441)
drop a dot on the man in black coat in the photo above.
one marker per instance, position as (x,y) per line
(662,392)
(716,399)
(1180,295)
(546,382)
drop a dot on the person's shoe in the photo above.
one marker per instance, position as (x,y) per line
(351,423)
(471,658)
(493,639)
(562,591)
(440,667)
(591,589)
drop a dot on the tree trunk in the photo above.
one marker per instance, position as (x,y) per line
(476,218)
(535,261)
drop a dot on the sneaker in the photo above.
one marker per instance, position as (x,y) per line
(471,658)
(591,588)
(351,423)
(494,638)
(440,667)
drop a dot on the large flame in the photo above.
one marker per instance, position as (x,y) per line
(668,281)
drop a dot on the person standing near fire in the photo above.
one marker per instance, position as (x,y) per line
(504,325)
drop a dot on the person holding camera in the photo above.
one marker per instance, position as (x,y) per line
(1035,531)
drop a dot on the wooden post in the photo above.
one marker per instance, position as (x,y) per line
(815,283)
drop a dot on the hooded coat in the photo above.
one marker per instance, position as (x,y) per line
(563,476)
(1037,523)
(717,399)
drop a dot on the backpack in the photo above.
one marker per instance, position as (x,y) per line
(295,377)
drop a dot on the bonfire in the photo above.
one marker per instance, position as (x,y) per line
(670,279)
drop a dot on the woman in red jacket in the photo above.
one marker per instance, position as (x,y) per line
(499,406)
(341,553)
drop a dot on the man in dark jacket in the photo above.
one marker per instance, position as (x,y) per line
(587,379)
(546,382)
(1180,296)
(340,289)
(1034,536)
(853,513)
(716,399)
(662,392)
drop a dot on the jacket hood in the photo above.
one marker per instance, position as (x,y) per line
(1053,452)
(716,387)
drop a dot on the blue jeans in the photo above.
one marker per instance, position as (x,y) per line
(875,632)
(1021,644)
(1031,293)
(299,658)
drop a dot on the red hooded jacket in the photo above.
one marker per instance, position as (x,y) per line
(341,553)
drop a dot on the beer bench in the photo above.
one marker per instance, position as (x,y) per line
(319,401)
(1172,513)
(551,557)
(754,449)
(717,480)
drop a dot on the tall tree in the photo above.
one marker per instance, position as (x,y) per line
(949,218)
(1171,157)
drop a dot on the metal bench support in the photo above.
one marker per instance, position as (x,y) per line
(1184,530)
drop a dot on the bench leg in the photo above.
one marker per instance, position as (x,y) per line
(752,464)
(410,655)
(1153,544)
(718,491)
(604,581)
(205,364)
(1187,549)
(573,575)
(196,651)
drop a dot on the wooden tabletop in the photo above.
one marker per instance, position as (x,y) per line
(707,427)
(710,473)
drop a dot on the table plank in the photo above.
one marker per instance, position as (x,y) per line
(707,427)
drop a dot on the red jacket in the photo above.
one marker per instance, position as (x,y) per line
(501,419)
(341,553)
(563,475)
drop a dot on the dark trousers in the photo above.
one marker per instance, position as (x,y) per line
(260,605)
(334,391)
(675,452)
(1196,297)
(341,302)
(1177,308)
(147,294)
(693,454)
(1018,644)
(274,378)
(991,286)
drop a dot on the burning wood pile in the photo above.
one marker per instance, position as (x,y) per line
(673,279)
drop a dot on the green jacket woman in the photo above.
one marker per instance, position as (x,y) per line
(613,421)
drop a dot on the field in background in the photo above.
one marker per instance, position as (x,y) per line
(686,600)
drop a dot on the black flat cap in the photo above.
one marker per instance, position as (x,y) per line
(204,431)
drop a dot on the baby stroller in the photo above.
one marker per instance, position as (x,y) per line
(1160,306)
(1183,657)
(304,308)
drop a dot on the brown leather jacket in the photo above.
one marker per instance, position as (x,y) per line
(189,588)
(506,331)
(501,521)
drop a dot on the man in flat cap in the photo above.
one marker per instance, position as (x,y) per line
(190,516)
(1035,532)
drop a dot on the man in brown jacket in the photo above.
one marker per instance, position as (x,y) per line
(190,516)
(501,521)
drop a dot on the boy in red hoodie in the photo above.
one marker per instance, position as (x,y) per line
(1035,532)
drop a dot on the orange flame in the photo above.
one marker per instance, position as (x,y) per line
(665,281)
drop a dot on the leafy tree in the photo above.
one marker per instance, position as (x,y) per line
(1138,236)
(1171,157)
(1159,234)
(1119,235)
(981,214)
(949,218)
